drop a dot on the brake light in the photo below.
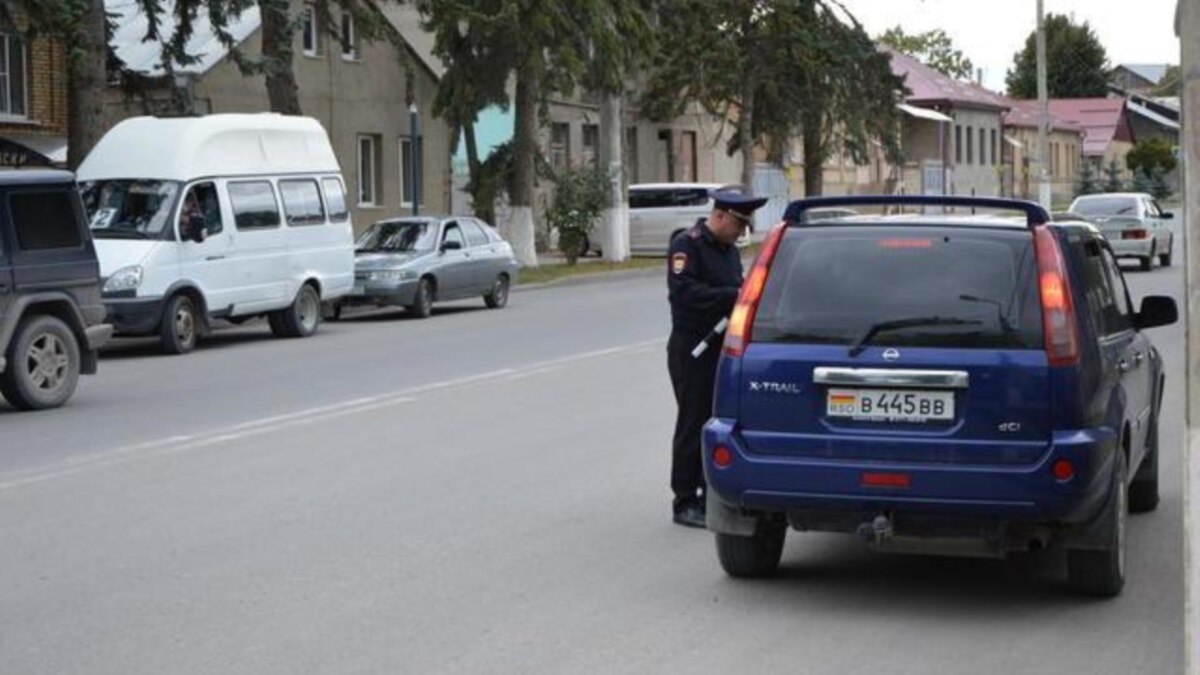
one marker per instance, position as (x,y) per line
(1133,234)
(905,243)
(737,336)
(1058,311)
(886,480)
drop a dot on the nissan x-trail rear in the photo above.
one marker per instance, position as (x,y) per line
(950,384)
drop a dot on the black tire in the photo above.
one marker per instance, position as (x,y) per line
(43,364)
(1165,258)
(332,310)
(752,557)
(585,246)
(301,318)
(1143,489)
(1147,263)
(497,295)
(1102,572)
(180,327)
(422,305)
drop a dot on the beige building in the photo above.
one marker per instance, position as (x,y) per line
(356,89)
(1020,153)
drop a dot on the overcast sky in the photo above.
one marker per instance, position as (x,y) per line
(989,32)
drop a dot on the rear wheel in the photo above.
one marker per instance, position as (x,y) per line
(1147,262)
(752,557)
(1143,489)
(422,305)
(497,295)
(1165,258)
(301,318)
(1102,572)
(43,364)
(180,326)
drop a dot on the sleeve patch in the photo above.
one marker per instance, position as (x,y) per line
(679,263)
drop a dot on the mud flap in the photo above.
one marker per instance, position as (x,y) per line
(726,519)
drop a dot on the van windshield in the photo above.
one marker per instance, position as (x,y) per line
(129,209)
(404,236)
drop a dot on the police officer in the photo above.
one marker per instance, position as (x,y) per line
(703,279)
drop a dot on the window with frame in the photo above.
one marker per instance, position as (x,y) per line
(970,145)
(591,145)
(560,146)
(368,170)
(302,202)
(958,144)
(253,204)
(687,155)
(44,220)
(12,75)
(982,146)
(995,149)
(407,188)
(201,209)
(349,38)
(475,233)
(310,31)
(335,199)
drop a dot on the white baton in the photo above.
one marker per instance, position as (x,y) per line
(717,330)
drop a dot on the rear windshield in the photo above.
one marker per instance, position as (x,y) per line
(831,285)
(1106,206)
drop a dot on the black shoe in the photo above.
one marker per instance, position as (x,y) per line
(690,516)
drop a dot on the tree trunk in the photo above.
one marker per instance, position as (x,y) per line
(814,154)
(745,126)
(282,91)
(615,217)
(88,79)
(520,227)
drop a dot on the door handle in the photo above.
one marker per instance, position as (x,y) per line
(215,257)
(1138,358)
(1123,366)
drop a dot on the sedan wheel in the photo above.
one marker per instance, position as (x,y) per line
(422,305)
(497,296)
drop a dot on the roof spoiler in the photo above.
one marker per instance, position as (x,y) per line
(1035,215)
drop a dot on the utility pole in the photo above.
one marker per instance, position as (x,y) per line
(1044,196)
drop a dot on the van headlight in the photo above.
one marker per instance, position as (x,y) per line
(124,279)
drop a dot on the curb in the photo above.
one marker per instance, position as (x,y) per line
(590,278)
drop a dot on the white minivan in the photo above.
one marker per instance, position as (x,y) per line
(225,216)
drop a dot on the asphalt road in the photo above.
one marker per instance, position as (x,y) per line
(484,492)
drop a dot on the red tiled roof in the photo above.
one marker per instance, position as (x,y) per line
(1102,119)
(1024,113)
(929,86)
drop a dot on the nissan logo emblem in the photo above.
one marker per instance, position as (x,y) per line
(891,355)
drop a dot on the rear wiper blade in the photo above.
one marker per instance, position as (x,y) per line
(898,324)
(1001,313)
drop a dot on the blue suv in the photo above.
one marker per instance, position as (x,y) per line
(936,383)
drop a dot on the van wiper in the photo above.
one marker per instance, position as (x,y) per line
(899,324)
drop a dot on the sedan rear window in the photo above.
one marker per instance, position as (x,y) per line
(1106,206)
(830,286)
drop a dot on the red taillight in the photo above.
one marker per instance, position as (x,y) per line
(905,243)
(1134,234)
(887,480)
(1063,470)
(737,336)
(1058,311)
(722,457)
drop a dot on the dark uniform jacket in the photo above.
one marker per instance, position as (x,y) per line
(703,280)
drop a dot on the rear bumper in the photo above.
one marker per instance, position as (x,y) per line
(1025,493)
(1131,248)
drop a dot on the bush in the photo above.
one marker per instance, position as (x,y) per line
(579,197)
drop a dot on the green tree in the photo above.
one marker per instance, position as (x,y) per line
(548,50)
(1076,62)
(778,69)
(1112,177)
(81,25)
(580,195)
(1151,156)
(933,48)
(1088,184)
(1171,83)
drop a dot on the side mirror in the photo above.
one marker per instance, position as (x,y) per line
(1157,310)
(1167,215)
(451,246)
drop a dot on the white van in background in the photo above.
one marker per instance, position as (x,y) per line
(660,211)
(221,216)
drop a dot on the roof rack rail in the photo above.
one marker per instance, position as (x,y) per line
(1035,215)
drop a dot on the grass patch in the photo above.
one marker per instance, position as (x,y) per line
(546,273)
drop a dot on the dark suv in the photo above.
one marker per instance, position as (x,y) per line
(51,315)
(956,384)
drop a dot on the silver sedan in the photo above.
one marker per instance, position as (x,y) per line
(415,262)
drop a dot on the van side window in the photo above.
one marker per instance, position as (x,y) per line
(254,205)
(335,198)
(44,219)
(200,210)
(302,202)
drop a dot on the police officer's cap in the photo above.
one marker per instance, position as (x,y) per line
(740,203)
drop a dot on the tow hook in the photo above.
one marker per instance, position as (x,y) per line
(878,530)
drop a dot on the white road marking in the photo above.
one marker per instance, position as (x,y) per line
(213,437)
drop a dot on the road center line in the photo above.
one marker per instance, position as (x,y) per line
(186,442)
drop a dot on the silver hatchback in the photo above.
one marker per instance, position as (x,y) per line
(415,262)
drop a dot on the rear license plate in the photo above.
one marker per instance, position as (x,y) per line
(891,405)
